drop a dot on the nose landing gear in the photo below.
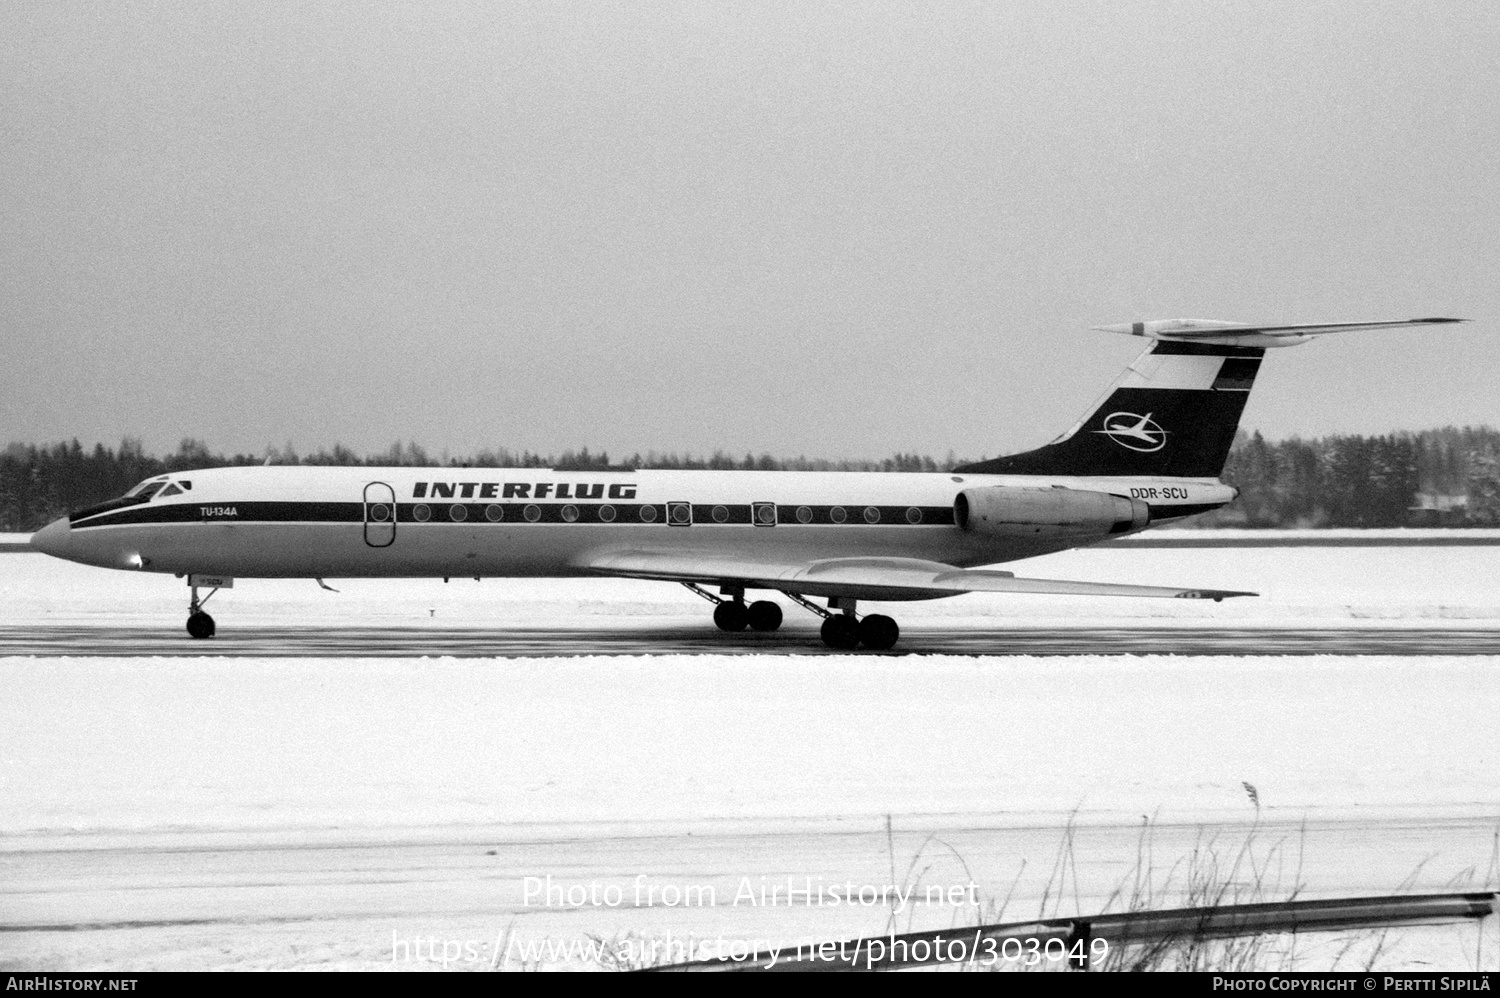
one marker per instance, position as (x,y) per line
(199,624)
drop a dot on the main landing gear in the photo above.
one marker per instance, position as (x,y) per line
(844,630)
(199,624)
(847,631)
(876,632)
(733,616)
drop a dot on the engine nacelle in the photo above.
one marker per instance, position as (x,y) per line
(1011,511)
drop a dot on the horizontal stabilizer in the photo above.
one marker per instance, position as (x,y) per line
(863,578)
(1245,334)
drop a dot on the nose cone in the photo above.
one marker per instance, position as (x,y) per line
(54,538)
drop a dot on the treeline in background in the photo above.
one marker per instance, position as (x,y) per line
(1446,477)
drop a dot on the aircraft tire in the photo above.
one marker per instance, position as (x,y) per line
(763,615)
(878,632)
(731,616)
(201,625)
(841,631)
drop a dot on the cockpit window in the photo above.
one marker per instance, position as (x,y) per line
(145,490)
(170,490)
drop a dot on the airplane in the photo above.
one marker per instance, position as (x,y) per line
(1149,453)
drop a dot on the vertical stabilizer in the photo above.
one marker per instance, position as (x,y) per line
(1175,410)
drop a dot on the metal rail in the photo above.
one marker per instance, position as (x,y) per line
(962,945)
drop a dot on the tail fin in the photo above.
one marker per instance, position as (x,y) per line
(1175,410)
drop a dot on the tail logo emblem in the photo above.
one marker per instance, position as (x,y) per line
(1134,431)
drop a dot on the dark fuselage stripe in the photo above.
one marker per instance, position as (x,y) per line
(1165,348)
(519,513)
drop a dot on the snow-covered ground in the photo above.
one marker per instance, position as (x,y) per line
(191,812)
(154,791)
(103,745)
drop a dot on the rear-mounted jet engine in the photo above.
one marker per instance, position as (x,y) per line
(1011,511)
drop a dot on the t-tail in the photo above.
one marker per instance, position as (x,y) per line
(1175,410)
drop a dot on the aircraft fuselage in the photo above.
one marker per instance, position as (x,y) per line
(350,522)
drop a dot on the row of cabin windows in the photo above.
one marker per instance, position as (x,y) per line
(680,513)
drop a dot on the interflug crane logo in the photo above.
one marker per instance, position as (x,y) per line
(1134,431)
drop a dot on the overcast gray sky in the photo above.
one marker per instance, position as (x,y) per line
(834,229)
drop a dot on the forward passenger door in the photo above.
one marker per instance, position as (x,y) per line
(380,515)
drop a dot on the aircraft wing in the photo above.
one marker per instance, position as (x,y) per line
(861,578)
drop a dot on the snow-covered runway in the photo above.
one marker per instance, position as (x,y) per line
(703,639)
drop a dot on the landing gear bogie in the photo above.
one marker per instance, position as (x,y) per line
(846,631)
